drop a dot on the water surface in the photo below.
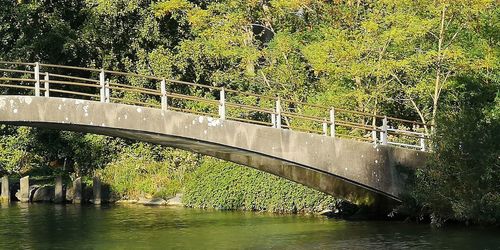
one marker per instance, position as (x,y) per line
(48,226)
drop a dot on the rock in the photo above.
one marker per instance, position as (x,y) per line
(126,201)
(111,197)
(328,212)
(152,202)
(25,196)
(32,191)
(43,194)
(70,194)
(175,201)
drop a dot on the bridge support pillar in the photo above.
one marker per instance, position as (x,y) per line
(5,196)
(24,192)
(96,188)
(77,190)
(58,190)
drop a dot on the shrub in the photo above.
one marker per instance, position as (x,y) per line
(136,177)
(461,181)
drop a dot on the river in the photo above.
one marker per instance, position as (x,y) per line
(48,226)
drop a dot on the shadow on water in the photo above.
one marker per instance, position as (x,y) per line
(49,226)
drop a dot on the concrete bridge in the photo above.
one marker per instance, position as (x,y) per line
(362,172)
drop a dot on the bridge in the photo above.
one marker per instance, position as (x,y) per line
(354,155)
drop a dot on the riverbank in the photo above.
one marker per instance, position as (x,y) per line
(219,185)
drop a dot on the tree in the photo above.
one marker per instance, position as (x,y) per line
(457,43)
(461,180)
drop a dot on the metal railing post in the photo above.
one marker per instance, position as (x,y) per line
(164,100)
(422,142)
(107,92)
(384,131)
(222,104)
(273,119)
(374,136)
(102,82)
(46,84)
(325,128)
(37,79)
(278,113)
(332,122)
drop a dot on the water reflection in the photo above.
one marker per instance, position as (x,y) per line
(48,226)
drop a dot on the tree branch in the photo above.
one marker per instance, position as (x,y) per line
(417,109)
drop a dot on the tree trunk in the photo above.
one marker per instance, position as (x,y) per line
(438,84)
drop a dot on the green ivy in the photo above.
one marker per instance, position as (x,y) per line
(222,185)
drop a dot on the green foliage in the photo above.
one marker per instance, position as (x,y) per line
(133,177)
(461,180)
(171,7)
(222,185)
(143,170)
(15,154)
(24,150)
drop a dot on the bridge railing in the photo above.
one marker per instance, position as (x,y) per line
(51,80)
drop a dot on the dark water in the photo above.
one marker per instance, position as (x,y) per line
(47,226)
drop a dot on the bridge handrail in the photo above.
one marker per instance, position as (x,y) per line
(283,110)
(72,77)
(211,87)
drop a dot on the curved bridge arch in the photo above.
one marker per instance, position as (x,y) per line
(361,172)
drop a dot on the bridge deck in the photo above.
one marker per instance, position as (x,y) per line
(358,171)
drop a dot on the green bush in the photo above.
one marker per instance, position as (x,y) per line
(461,181)
(222,185)
(132,177)
(16,156)
(145,170)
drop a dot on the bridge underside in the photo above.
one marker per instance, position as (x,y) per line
(360,172)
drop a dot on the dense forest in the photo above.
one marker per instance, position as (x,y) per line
(435,61)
